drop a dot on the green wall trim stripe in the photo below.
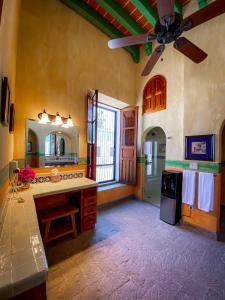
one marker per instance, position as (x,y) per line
(82,161)
(21,162)
(96,19)
(202,166)
(4,174)
(41,154)
(140,159)
(174,163)
(123,17)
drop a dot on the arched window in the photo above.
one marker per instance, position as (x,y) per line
(154,95)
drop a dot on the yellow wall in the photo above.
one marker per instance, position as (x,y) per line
(204,84)
(195,92)
(209,221)
(113,194)
(171,119)
(60,56)
(195,102)
(8,47)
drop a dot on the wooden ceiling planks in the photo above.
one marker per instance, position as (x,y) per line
(133,12)
(107,16)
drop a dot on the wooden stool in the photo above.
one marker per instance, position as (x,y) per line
(58,230)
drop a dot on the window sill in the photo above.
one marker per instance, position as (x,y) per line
(110,186)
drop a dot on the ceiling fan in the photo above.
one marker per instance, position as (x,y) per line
(169,28)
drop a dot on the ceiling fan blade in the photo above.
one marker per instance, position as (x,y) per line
(131,40)
(190,50)
(166,11)
(153,60)
(205,14)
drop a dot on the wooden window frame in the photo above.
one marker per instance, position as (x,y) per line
(150,102)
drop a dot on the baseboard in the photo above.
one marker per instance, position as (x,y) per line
(201,230)
(116,201)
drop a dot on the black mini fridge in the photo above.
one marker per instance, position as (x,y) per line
(171,194)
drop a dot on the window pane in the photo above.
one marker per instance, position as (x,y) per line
(105,156)
(104,173)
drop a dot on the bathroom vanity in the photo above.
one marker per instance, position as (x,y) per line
(23,260)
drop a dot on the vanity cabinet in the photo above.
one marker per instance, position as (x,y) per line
(89,212)
(86,216)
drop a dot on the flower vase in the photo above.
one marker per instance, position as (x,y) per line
(25,185)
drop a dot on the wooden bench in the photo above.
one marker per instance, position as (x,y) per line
(46,217)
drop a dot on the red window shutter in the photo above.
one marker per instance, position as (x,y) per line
(154,95)
(128,145)
(92,104)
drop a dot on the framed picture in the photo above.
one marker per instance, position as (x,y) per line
(11,118)
(29,146)
(1,5)
(200,147)
(5,102)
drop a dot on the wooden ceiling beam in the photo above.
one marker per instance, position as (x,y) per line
(104,25)
(178,7)
(150,12)
(147,10)
(123,17)
(202,3)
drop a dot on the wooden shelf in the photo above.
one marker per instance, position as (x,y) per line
(59,229)
(57,212)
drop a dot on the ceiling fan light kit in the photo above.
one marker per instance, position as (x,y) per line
(169,28)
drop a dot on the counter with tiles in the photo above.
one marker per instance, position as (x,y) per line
(23,263)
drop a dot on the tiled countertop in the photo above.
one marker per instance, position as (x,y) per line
(23,263)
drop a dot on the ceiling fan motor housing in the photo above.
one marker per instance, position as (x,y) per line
(168,34)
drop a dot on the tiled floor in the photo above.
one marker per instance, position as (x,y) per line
(134,255)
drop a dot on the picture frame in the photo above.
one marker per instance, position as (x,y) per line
(1,5)
(200,147)
(11,118)
(5,102)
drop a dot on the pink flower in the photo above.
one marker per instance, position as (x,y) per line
(26,174)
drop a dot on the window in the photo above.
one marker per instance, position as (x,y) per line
(106,144)
(111,141)
(154,95)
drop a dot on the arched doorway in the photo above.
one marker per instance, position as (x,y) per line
(155,153)
(32,149)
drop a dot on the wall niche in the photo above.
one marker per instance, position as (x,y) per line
(154,95)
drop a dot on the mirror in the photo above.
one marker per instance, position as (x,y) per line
(51,146)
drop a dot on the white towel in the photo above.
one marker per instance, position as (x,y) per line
(188,187)
(206,191)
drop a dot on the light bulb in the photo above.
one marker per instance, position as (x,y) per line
(69,122)
(44,118)
(58,120)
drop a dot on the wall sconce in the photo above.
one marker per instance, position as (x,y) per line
(43,117)
(56,120)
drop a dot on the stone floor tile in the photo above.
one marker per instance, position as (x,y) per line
(131,255)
